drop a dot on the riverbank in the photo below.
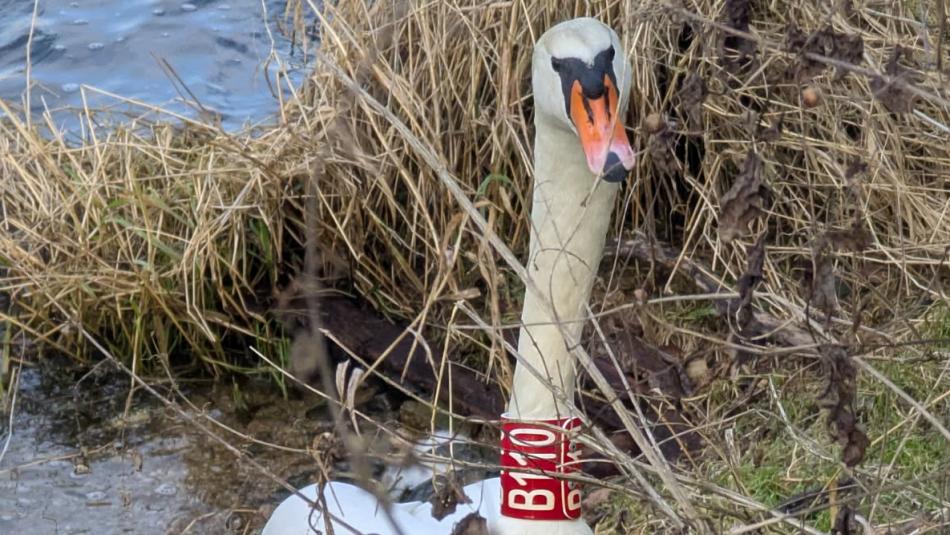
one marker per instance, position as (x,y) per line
(774,285)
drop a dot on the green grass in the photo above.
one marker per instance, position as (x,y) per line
(904,448)
(771,458)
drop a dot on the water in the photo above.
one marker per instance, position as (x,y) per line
(79,463)
(222,50)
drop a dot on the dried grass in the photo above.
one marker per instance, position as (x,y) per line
(175,241)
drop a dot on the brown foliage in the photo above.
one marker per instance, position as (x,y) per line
(473,524)
(737,52)
(749,280)
(691,97)
(892,94)
(854,239)
(448,494)
(823,294)
(827,42)
(838,398)
(660,148)
(744,201)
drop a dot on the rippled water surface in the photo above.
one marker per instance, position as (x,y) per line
(80,461)
(222,50)
(87,457)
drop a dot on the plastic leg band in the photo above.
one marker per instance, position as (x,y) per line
(544,449)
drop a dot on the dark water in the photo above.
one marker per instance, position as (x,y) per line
(221,49)
(86,457)
(80,462)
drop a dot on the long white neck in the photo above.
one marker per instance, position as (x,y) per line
(569,219)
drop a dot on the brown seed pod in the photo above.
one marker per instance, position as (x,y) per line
(810,97)
(653,123)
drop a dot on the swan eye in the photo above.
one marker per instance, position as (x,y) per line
(610,54)
(557,64)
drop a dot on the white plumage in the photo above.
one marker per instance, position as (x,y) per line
(570,214)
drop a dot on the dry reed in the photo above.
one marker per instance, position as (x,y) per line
(819,131)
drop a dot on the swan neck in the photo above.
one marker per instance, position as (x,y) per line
(570,214)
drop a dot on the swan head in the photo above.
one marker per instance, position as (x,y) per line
(581,82)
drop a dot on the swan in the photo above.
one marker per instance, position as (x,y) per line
(581,82)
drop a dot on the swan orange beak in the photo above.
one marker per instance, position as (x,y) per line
(601,132)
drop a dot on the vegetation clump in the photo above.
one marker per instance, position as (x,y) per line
(783,239)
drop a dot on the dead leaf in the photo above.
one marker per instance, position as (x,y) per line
(844,522)
(854,239)
(801,43)
(738,53)
(774,132)
(855,169)
(744,200)
(892,93)
(749,280)
(827,42)
(660,149)
(692,94)
(448,494)
(473,524)
(843,47)
(839,398)
(823,294)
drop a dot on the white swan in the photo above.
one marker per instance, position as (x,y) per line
(581,85)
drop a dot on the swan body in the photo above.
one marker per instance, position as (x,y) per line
(361,510)
(581,83)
